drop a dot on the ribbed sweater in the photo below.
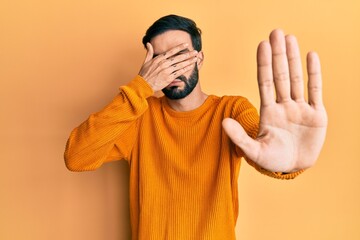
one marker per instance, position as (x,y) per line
(183,166)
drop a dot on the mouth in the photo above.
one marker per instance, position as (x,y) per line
(175,83)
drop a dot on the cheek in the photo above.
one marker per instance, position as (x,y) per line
(188,73)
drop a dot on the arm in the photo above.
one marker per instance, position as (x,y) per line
(93,142)
(291,130)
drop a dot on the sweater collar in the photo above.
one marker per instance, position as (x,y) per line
(198,111)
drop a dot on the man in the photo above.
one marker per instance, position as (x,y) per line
(184,149)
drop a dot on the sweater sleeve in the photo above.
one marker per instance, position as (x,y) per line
(246,114)
(93,142)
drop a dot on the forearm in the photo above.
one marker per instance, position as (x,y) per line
(90,143)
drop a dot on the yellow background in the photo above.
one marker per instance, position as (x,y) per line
(62,60)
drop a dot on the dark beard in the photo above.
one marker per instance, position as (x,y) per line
(190,84)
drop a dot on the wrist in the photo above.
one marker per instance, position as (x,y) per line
(141,87)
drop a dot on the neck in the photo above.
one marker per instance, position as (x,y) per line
(194,100)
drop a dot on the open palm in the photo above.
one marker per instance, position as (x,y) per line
(292,130)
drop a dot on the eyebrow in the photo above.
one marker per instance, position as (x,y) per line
(181,52)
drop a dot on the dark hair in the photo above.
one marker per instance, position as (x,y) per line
(174,22)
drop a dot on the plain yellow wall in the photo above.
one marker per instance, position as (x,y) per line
(62,60)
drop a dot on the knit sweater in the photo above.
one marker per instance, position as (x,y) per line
(183,166)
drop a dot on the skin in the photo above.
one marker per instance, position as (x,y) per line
(291,130)
(159,72)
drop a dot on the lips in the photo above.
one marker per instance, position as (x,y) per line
(176,82)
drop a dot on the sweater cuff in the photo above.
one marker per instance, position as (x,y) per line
(281,175)
(278,175)
(140,87)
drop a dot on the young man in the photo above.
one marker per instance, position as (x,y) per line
(184,149)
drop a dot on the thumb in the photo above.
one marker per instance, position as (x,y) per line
(239,137)
(149,53)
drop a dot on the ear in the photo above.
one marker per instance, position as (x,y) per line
(149,53)
(200,60)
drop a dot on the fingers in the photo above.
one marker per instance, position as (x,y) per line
(183,69)
(315,81)
(296,75)
(175,59)
(280,65)
(265,73)
(179,61)
(183,64)
(172,52)
(280,70)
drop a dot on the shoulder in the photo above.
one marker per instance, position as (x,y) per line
(154,102)
(243,111)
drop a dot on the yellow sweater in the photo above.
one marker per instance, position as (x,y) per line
(183,167)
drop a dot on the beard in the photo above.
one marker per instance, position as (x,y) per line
(190,83)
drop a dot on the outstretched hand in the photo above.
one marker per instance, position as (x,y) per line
(291,130)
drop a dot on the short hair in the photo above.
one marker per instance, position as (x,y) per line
(174,22)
